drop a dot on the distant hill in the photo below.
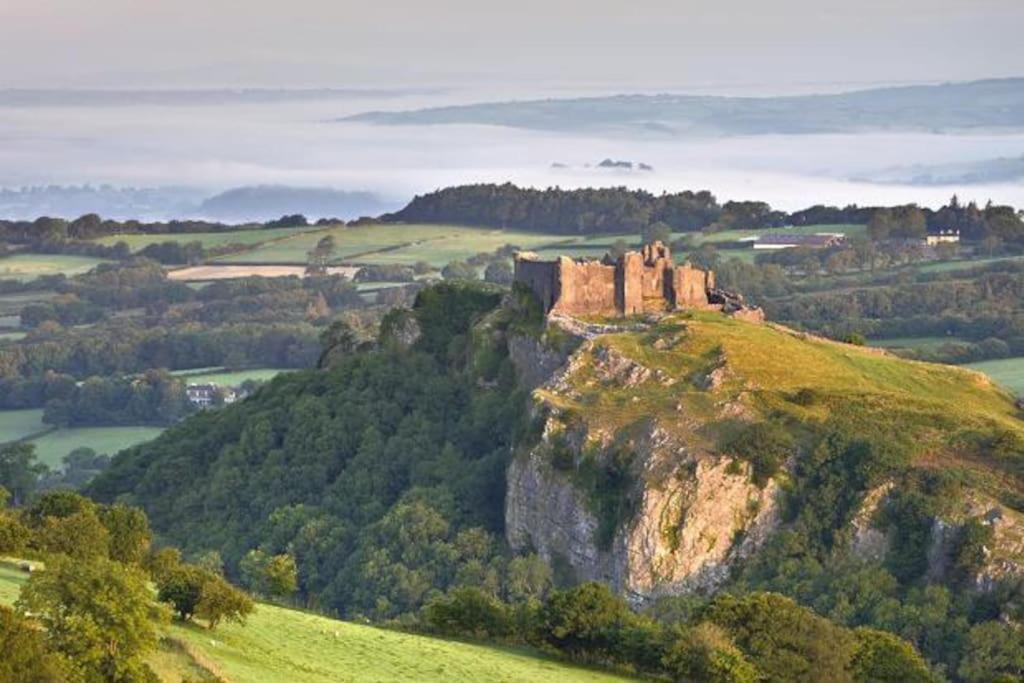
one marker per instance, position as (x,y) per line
(988,104)
(1001,170)
(262,202)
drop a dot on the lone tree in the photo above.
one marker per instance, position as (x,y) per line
(320,256)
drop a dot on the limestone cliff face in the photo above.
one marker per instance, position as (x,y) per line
(681,521)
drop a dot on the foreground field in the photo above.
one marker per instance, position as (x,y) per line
(26,267)
(1007,371)
(287,646)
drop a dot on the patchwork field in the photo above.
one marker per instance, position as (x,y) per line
(228,378)
(1006,371)
(17,424)
(287,646)
(913,342)
(26,267)
(406,244)
(53,446)
(208,239)
(209,273)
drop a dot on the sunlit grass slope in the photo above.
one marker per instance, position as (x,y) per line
(768,371)
(280,645)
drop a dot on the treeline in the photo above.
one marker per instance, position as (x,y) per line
(91,226)
(131,347)
(611,210)
(152,398)
(736,639)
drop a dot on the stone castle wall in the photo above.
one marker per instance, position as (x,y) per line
(585,288)
(647,281)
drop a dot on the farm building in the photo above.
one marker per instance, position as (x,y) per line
(942,237)
(206,395)
(778,240)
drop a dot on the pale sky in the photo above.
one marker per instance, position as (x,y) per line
(642,44)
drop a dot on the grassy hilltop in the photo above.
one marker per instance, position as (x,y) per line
(803,382)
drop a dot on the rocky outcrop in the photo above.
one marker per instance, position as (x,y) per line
(695,517)
(535,361)
(870,543)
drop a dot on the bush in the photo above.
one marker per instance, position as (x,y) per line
(884,658)
(765,445)
(707,653)
(470,613)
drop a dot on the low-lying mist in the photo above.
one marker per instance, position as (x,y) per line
(202,150)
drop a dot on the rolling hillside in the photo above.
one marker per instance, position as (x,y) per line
(289,646)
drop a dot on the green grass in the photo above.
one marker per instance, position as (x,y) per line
(53,446)
(11,304)
(11,580)
(913,342)
(403,244)
(208,239)
(11,336)
(1007,371)
(24,267)
(286,645)
(17,424)
(966,264)
(228,378)
(280,645)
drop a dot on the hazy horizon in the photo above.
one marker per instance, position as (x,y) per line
(652,44)
(402,55)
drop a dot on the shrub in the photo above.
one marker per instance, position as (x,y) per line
(468,612)
(707,653)
(765,445)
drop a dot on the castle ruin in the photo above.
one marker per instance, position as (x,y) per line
(646,281)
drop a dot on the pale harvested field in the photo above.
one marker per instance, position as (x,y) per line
(207,273)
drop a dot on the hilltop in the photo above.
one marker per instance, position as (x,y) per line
(668,445)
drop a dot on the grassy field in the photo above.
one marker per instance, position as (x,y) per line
(24,267)
(11,304)
(406,244)
(53,446)
(950,266)
(227,378)
(17,424)
(913,342)
(286,646)
(208,239)
(1007,371)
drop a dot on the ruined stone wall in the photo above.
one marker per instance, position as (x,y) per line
(585,288)
(629,294)
(690,286)
(541,277)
